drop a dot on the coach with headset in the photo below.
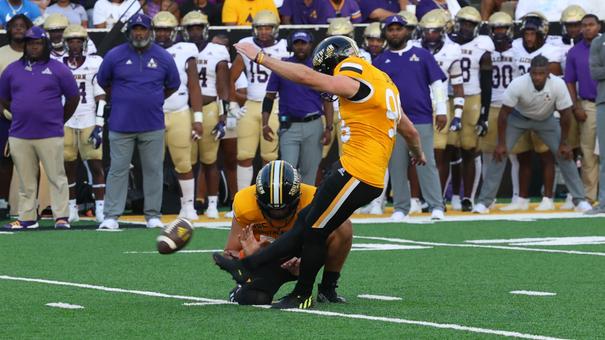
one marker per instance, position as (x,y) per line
(301,131)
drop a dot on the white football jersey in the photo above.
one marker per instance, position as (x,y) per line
(562,47)
(469,63)
(207,60)
(503,66)
(447,55)
(523,58)
(258,75)
(181,52)
(365,55)
(86,79)
(91,48)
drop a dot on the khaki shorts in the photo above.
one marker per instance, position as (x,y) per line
(178,139)
(205,149)
(466,138)
(528,141)
(76,140)
(250,133)
(440,137)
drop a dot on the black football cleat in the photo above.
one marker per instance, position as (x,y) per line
(467,205)
(232,266)
(328,294)
(293,301)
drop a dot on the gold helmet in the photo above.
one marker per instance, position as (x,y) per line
(75,32)
(572,13)
(340,26)
(55,21)
(165,19)
(535,20)
(501,19)
(468,13)
(265,18)
(409,18)
(372,31)
(435,20)
(195,18)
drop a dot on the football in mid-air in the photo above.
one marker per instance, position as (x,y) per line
(174,236)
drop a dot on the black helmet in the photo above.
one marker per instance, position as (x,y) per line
(331,51)
(278,190)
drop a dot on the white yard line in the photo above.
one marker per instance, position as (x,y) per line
(306,311)
(183,251)
(532,293)
(379,297)
(6,232)
(539,250)
(63,305)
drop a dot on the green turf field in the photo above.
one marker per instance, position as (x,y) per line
(448,287)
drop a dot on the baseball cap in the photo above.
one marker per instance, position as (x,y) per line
(35,32)
(394,19)
(139,19)
(301,36)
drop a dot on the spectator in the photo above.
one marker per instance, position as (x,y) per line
(318,11)
(425,6)
(550,9)
(489,7)
(152,7)
(211,10)
(10,8)
(378,10)
(597,71)
(528,104)
(577,73)
(138,76)
(15,33)
(108,12)
(75,13)
(32,88)
(241,12)
(301,131)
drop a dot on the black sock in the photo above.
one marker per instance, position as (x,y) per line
(329,279)
(285,246)
(312,259)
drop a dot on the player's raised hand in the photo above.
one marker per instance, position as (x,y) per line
(249,243)
(247,49)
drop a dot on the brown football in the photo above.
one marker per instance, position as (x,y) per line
(174,236)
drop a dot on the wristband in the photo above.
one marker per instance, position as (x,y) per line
(100,112)
(459,101)
(458,112)
(198,117)
(259,57)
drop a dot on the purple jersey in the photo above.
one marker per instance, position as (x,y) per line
(137,82)
(317,13)
(34,92)
(368,6)
(413,70)
(295,100)
(577,69)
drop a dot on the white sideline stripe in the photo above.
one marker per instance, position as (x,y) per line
(110,230)
(178,252)
(532,293)
(356,247)
(201,303)
(539,250)
(379,297)
(6,232)
(64,305)
(306,311)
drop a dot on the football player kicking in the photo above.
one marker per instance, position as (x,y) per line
(371,117)
(213,71)
(84,130)
(265,211)
(179,128)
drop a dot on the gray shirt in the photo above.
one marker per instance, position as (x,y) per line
(597,66)
(533,104)
(75,13)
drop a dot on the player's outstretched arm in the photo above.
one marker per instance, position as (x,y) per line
(299,73)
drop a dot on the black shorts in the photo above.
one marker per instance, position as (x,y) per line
(336,199)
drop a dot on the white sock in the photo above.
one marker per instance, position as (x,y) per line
(212,200)
(478,166)
(244,176)
(188,189)
(99,204)
(72,203)
(3,203)
(514,173)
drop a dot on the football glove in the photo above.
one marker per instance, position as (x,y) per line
(219,131)
(96,137)
(236,111)
(456,124)
(481,127)
(231,123)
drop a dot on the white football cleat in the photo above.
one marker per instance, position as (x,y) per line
(479,208)
(583,206)
(99,214)
(229,214)
(519,203)
(415,206)
(568,205)
(109,223)
(211,212)
(398,216)
(188,211)
(154,223)
(73,214)
(376,207)
(437,215)
(456,203)
(546,204)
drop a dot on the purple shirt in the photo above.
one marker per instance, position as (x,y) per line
(317,13)
(35,97)
(367,6)
(425,6)
(137,82)
(577,69)
(295,100)
(347,8)
(412,71)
